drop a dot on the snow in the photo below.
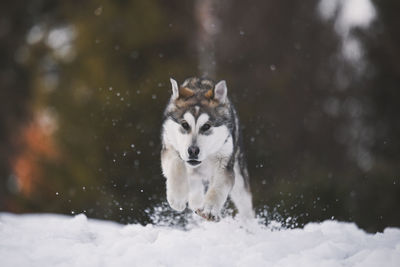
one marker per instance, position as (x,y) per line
(349,14)
(58,240)
(352,13)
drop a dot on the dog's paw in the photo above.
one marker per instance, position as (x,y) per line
(177,204)
(208,215)
(211,209)
(196,201)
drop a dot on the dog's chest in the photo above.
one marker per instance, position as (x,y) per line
(205,171)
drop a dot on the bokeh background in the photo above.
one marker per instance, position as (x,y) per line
(83,85)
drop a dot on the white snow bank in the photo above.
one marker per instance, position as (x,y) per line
(55,240)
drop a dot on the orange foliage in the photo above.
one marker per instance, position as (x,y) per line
(36,144)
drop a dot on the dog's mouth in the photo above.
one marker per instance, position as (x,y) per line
(193,162)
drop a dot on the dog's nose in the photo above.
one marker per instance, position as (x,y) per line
(193,152)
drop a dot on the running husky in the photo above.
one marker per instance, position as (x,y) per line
(200,143)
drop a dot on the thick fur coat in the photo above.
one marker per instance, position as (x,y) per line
(201,146)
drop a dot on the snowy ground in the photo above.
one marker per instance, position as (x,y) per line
(55,240)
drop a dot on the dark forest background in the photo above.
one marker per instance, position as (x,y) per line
(83,85)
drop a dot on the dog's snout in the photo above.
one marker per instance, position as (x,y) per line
(193,152)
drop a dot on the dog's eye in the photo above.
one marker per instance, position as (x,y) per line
(205,127)
(185,125)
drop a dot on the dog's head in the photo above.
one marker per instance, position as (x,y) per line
(198,120)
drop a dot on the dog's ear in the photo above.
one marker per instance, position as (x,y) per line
(220,92)
(175,89)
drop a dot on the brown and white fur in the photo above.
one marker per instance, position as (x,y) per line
(201,144)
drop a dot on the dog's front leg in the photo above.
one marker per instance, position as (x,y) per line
(221,184)
(196,191)
(177,184)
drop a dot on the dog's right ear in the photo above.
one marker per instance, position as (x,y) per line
(175,89)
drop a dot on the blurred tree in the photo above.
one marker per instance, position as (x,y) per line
(14,89)
(379,194)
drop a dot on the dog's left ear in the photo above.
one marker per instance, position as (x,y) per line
(220,92)
(175,89)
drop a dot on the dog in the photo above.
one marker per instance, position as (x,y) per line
(201,146)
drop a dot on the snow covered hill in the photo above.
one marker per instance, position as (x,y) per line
(55,240)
